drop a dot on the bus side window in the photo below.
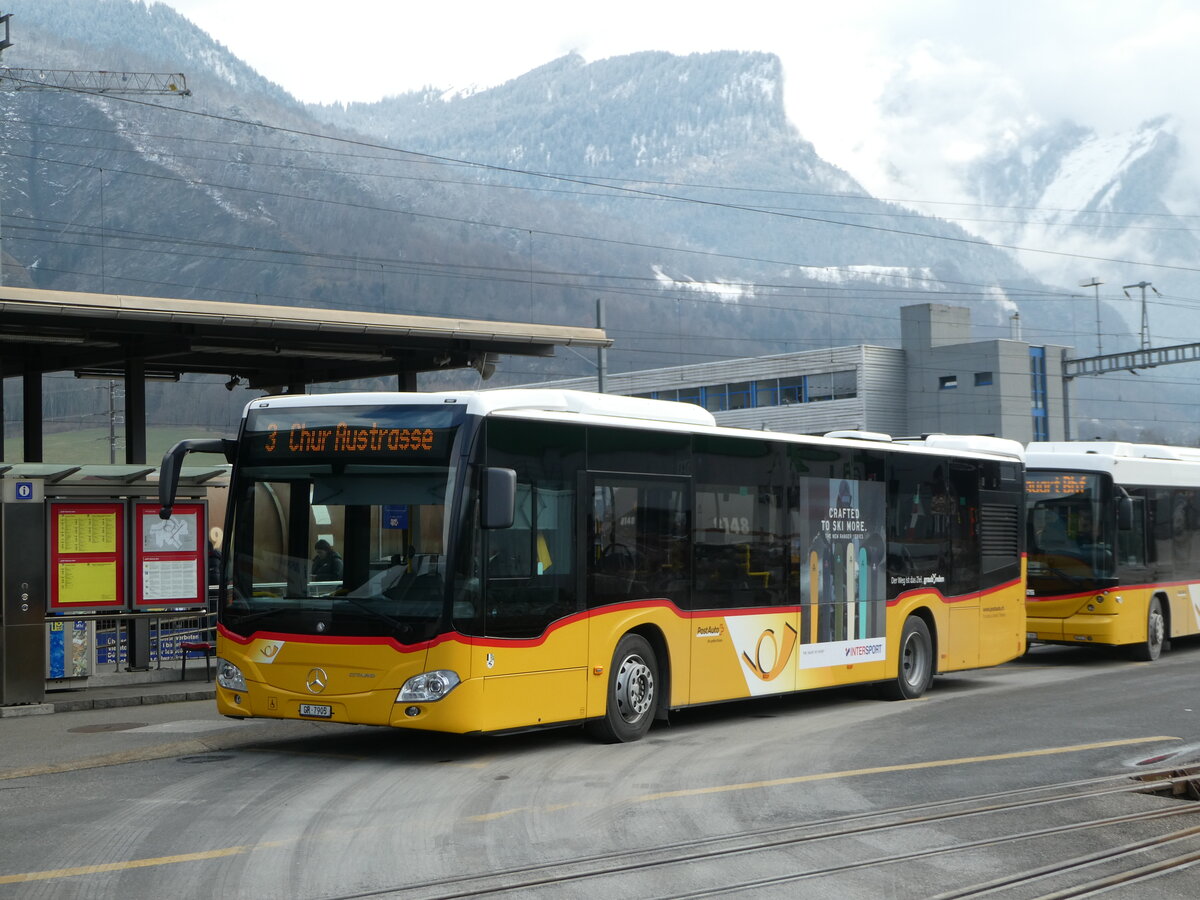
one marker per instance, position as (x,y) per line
(639,542)
(509,549)
(1131,541)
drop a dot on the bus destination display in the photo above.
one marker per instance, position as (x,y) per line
(325,434)
(1058,484)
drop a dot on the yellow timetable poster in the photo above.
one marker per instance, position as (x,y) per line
(93,532)
(87,583)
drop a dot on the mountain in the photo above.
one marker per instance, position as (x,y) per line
(1110,197)
(698,147)
(673,188)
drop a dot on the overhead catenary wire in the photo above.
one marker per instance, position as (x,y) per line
(648,195)
(613,181)
(492,167)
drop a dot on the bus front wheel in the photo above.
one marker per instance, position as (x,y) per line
(1156,634)
(915,667)
(632,692)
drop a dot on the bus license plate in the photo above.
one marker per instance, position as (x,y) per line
(316,711)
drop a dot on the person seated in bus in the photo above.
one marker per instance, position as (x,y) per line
(326,564)
(1049,533)
(1091,548)
(1085,529)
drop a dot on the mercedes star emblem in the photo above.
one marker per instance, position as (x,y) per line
(317,680)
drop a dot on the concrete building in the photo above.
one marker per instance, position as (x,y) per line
(938,381)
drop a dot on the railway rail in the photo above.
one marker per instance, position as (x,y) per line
(805,859)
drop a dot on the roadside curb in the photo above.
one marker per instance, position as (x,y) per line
(84,702)
(180,696)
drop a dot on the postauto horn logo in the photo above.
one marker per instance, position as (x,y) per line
(778,652)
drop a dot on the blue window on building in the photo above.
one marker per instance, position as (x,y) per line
(839,385)
(716,397)
(983,379)
(766,393)
(792,390)
(1037,381)
(1041,426)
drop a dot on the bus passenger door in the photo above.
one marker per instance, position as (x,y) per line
(534,658)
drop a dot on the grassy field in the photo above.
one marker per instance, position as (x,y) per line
(90,446)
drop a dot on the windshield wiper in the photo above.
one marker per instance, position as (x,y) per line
(1075,580)
(263,613)
(374,613)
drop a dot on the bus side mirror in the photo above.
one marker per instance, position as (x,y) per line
(499,500)
(1124,513)
(172,462)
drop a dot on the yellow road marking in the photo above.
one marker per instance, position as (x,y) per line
(100,868)
(903,767)
(488,817)
(147,754)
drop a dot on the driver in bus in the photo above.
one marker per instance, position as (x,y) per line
(1049,532)
(1085,528)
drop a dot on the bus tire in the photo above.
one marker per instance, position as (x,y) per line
(1156,634)
(632,692)
(915,664)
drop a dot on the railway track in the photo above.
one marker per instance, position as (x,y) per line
(908,851)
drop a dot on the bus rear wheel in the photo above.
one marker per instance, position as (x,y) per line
(1156,634)
(632,692)
(915,667)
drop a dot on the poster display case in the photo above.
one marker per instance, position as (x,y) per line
(170,556)
(87,556)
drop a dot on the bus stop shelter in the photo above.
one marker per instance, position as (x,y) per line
(279,349)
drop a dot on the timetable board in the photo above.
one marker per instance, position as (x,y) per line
(86,556)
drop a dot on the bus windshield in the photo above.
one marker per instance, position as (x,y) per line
(1070,538)
(335,533)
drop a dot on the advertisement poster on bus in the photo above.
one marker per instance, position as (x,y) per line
(843,600)
(839,551)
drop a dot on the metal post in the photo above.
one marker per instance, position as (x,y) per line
(112,422)
(601,352)
(1145,316)
(1094,282)
(1066,401)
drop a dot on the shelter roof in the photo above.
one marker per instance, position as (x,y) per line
(265,345)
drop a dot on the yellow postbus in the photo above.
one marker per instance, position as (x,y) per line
(505,560)
(1114,544)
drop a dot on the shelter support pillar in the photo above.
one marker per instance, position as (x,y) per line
(138,658)
(31,396)
(406,381)
(135,410)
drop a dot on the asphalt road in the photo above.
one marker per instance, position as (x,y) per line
(993,774)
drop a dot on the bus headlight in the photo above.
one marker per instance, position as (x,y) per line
(229,676)
(428,686)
